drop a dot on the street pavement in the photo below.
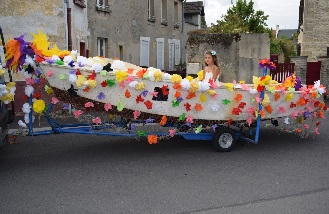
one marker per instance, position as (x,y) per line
(68,173)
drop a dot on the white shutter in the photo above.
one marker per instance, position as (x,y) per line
(160,53)
(144,51)
(177,51)
(171,54)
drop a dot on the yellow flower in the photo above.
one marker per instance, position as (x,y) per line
(7,97)
(39,106)
(255,80)
(194,87)
(81,80)
(266,100)
(10,85)
(49,90)
(140,86)
(242,81)
(203,98)
(92,83)
(229,86)
(300,119)
(200,75)
(211,92)
(121,76)
(189,78)
(175,78)
(289,96)
(157,76)
(2,71)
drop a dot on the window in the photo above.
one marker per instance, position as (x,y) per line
(150,9)
(164,12)
(176,22)
(103,5)
(174,53)
(101,47)
(80,3)
(144,51)
(160,53)
(121,52)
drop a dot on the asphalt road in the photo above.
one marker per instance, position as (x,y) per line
(97,174)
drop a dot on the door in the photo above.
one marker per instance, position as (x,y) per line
(313,72)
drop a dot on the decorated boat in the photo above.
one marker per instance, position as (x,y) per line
(111,84)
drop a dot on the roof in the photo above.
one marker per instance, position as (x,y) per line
(193,7)
(287,32)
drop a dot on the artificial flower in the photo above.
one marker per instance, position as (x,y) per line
(77,113)
(163,120)
(226,101)
(148,104)
(203,98)
(127,94)
(182,117)
(139,99)
(187,106)
(121,76)
(190,95)
(120,105)
(92,83)
(140,86)
(157,75)
(172,132)
(152,139)
(165,90)
(229,86)
(198,107)
(136,114)
(38,106)
(198,130)
(194,87)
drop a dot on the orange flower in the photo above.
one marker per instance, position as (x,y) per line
(86,89)
(301,101)
(177,94)
(130,70)
(269,109)
(140,73)
(190,95)
(148,104)
(238,97)
(299,130)
(262,113)
(152,139)
(127,93)
(277,96)
(313,94)
(322,105)
(163,120)
(177,86)
(198,107)
(321,114)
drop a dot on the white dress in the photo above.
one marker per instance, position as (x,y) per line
(208,76)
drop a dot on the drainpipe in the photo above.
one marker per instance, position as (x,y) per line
(69,41)
(183,57)
(65,5)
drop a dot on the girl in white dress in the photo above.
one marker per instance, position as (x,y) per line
(211,70)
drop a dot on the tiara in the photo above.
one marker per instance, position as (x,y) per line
(213,53)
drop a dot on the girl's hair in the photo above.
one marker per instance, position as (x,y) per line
(212,53)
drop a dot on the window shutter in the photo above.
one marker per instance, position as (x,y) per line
(160,53)
(171,54)
(177,51)
(144,51)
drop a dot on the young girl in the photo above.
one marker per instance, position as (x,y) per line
(211,71)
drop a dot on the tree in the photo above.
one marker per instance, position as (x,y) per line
(283,45)
(241,18)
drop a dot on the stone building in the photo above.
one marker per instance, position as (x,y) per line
(313,38)
(143,32)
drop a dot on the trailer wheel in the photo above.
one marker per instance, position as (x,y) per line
(224,139)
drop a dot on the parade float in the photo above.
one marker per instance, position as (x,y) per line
(139,97)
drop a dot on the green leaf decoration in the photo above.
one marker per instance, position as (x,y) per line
(175,103)
(120,105)
(141,133)
(59,62)
(182,117)
(62,77)
(110,82)
(103,73)
(198,130)
(226,101)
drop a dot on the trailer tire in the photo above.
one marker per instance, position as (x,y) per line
(224,139)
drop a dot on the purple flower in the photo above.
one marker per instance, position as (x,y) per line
(180,99)
(101,96)
(150,120)
(214,127)
(37,72)
(37,81)
(66,106)
(50,61)
(307,114)
(72,72)
(132,127)
(145,92)
(80,64)
(188,124)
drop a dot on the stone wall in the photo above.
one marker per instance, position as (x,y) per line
(324,74)
(300,67)
(314,31)
(238,54)
(126,23)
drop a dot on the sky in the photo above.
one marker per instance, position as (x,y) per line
(281,12)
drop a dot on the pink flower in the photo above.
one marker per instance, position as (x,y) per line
(77,113)
(129,79)
(107,106)
(89,104)
(97,120)
(282,109)
(49,73)
(136,114)
(54,100)
(172,132)
(189,119)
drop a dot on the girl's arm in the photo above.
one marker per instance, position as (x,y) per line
(216,73)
